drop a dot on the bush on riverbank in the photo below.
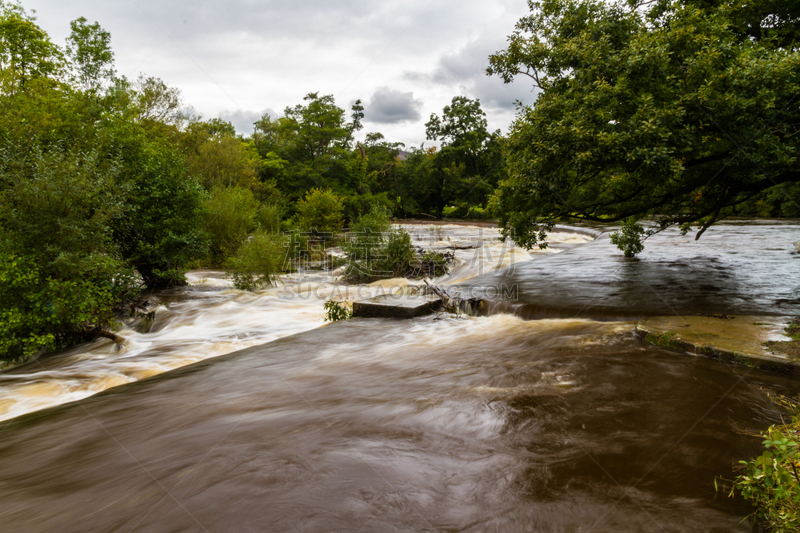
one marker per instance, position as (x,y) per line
(771,481)
(229,215)
(258,261)
(320,212)
(41,312)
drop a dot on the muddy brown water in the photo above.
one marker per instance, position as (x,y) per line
(437,424)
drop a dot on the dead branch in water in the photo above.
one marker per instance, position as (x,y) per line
(455,304)
(99,332)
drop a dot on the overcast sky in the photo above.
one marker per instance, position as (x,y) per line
(240,58)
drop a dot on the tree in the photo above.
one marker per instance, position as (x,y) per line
(469,165)
(60,271)
(665,111)
(229,215)
(26,51)
(462,124)
(158,231)
(216,157)
(320,126)
(311,147)
(321,212)
(357,115)
(156,101)
(89,49)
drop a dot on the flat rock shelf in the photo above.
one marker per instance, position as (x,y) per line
(739,339)
(396,306)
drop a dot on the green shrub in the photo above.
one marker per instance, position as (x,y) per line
(464,210)
(771,481)
(60,272)
(159,230)
(335,311)
(437,232)
(56,203)
(434,264)
(229,215)
(359,204)
(367,235)
(382,258)
(269,217)
(258,261)
(477,212)
(629,238)
(320,212)
(398,252)
(38,312)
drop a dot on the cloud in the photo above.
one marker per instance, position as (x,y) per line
(390,106)
(466,68)
(243,120)
(248,55)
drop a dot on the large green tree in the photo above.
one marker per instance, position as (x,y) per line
(312,146)
(93,184)
(677,111)
(467,168)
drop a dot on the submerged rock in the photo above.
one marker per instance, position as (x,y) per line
(396,306)
(740,339)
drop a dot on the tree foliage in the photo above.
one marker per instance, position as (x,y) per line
(669,110)
(89,51)
(320,212)
(26,52)
(467,169)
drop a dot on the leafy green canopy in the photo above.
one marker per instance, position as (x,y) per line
(673,111)
(92,187)
(467,169)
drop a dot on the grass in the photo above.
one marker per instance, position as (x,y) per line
(665,340)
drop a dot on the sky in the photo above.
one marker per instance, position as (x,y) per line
(239,59)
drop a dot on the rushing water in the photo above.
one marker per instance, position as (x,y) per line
(439,423)
(455,424)
(210,318)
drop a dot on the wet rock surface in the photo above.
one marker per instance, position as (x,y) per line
(737,339)
(396,306)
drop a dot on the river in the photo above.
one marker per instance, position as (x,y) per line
(440,423)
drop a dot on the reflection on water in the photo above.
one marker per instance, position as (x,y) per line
(210,319)
(434,424)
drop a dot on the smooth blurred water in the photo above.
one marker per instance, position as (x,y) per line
(438,423)
(210,318)
(452,424)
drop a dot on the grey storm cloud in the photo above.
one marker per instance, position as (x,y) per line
(390,106)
